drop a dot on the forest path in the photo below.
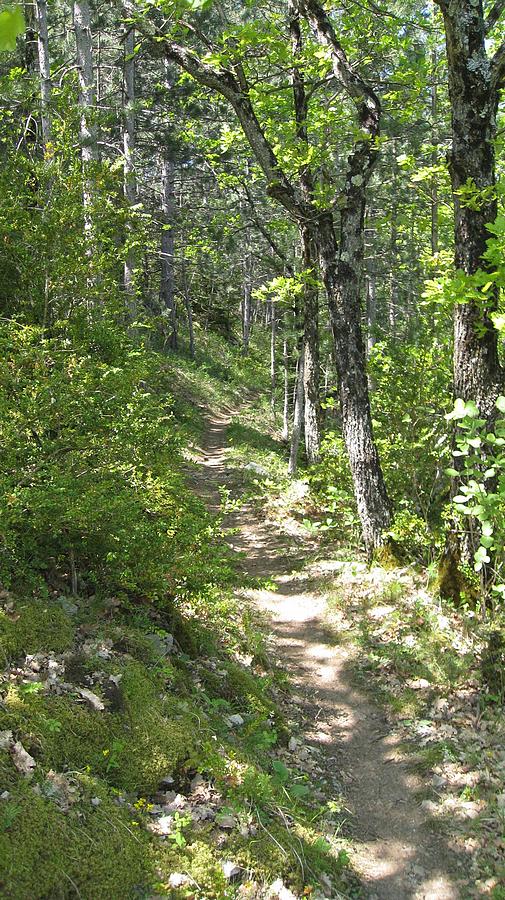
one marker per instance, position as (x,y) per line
(395,853)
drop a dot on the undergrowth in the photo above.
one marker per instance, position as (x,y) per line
(140,711)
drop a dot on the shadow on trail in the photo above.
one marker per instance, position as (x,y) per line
(397,854)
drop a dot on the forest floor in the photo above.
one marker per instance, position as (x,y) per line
(346,741)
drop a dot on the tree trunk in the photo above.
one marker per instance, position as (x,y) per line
(130,180)
(312,408)
(88,130)
(285,408)
(167,282)
(473,91)
(273,360)
(247,295)
(308,240)
(477,374)
(342,282)
(45,72)
(298,416)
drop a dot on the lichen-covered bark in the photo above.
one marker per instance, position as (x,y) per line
(473,95)
(474,81)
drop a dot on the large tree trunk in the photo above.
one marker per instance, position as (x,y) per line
(477,374)
(473,92)
(167,281)
(342,282)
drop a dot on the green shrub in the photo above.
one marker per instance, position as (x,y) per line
(91,495)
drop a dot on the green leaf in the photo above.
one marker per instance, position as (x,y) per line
(12,23)
(299,790)
(281,771)
(500,404)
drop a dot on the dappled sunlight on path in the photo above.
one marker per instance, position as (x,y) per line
(395,853)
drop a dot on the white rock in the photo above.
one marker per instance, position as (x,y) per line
(226,821)
(177,880)
(257,469)
(293,744)
(230,869)
(235,721)
(278,891)
(6,740)
(22,760)
(91,699)
(164,824)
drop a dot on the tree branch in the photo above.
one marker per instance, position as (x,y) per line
(494,14)
(265,232)
(367,102)
(498,68)
(228,85)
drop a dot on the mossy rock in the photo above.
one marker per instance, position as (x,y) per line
(34,627)
(92,852)
(132,750)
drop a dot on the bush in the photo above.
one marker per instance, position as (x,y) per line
(91,494)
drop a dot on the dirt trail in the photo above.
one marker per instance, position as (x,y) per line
(395,853)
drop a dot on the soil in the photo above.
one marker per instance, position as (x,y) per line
(395,852)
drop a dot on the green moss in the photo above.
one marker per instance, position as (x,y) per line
(198,860)
(388,555)
(34,627)
(133,749)
(93,852)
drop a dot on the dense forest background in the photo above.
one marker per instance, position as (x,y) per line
(289,210)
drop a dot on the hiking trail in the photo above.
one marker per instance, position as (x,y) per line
(394,851)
